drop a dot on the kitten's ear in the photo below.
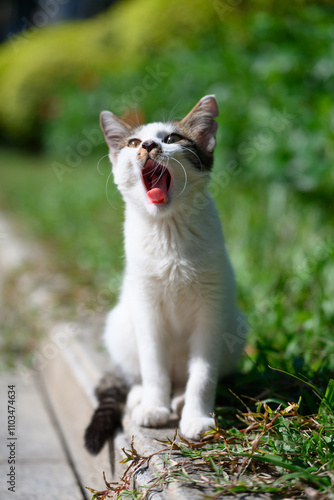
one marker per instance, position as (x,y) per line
(201,122)
(115,131)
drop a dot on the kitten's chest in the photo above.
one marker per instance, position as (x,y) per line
(172,254)
(167,271)
(165,257)
(174,274)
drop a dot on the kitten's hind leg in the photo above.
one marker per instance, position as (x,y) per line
(120,340)
(134,397)
(178,400)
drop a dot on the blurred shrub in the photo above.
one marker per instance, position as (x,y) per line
(31,71)
(39,61)
(272,76)
(270,66)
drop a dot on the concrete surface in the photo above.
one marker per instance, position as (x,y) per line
(42,469)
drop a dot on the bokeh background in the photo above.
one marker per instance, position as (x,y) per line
(271,67)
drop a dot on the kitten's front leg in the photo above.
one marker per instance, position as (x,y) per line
(205,358)
(154,408)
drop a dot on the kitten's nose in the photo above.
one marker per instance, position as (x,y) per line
(149,145)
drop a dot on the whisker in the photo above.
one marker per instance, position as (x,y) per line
(171,117)
(98,165)
(161,173)
(158,179)
(193,152)
(163,157)
(133,124)
(163,115)
(185,175)
(137,118)
(112,206)
(109,175)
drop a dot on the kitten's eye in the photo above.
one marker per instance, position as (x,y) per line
(134,143)
(171,138)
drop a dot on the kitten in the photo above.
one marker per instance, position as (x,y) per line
(176,328)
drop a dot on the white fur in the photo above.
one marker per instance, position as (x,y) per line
(175,328)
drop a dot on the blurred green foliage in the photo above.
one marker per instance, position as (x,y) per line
(270,66)
(38,62)
(281,247)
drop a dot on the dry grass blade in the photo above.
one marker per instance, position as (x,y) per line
(279,451)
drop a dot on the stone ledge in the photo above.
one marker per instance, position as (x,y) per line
(69,381)
(72,378)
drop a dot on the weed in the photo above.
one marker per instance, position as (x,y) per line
(274,449)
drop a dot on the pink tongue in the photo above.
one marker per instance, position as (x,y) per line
(158,194)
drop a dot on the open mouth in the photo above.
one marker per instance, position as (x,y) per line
(157,181)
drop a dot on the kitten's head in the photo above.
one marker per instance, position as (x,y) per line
(160,166)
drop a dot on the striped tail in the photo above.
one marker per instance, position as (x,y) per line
(111,393)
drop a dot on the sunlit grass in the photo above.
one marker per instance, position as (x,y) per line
(271,448)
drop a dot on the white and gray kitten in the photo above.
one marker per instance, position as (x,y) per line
(176,328)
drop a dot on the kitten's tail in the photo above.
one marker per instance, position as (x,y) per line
(111,393)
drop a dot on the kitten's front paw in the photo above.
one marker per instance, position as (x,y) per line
(192,428)
(150,416)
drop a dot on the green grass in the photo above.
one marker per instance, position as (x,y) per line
(273,449)
(82,232)
(281,244)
